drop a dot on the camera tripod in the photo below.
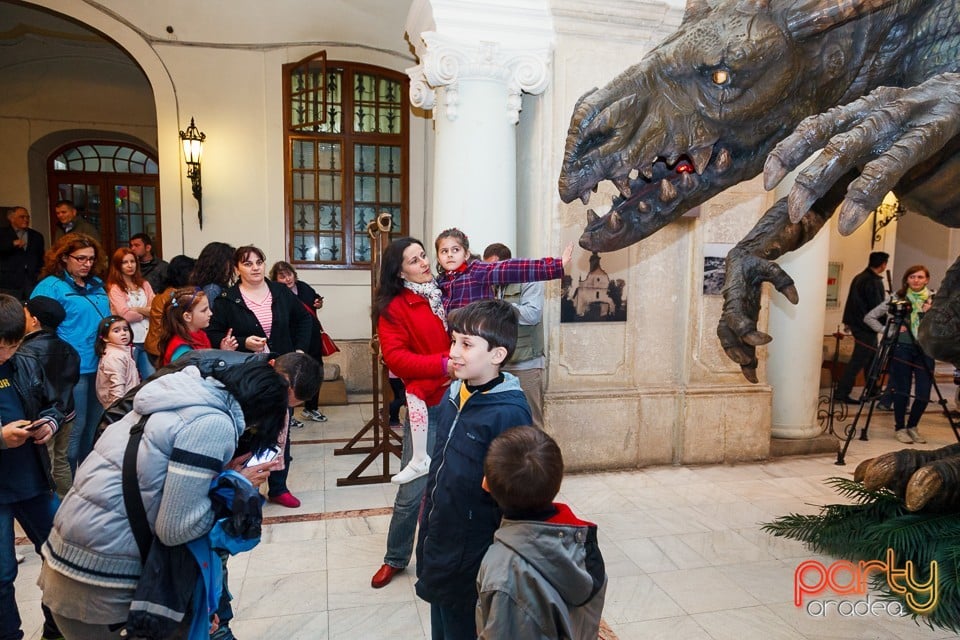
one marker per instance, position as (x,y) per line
(898,321)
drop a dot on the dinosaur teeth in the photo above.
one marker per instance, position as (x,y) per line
(591,217)
(700,158)
(647,171)
(668,192)
(595,187)
(643,207)
(615,222)
(723,161)
(688,181)
(623,185)
(585,197)
(672,158)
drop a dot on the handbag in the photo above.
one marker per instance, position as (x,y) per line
(327,345)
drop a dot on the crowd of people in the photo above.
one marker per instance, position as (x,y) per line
(102,335)
(83,331)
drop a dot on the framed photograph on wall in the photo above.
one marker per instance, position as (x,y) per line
(714,267)
(833,284)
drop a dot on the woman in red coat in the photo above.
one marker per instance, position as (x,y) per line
(415,344)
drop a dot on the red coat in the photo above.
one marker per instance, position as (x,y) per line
(415,345)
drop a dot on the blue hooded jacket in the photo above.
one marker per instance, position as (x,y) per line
(459,517)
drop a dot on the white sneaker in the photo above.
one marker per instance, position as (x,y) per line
(412,471)
(20,558)
(902,436)
(915,435)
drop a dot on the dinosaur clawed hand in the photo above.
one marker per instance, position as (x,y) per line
(922,479)
(737,329)
(887,133)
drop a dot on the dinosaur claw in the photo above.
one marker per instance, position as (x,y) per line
(861,471)
(924,484)
(591,217)
(757,338)
(790,293)
(750,373)
(773,173)
(852,215)
(799,201)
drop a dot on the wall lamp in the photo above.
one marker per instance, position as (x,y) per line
(192,140)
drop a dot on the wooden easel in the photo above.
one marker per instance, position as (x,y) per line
(385,441)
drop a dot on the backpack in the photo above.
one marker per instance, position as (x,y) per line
(208,361)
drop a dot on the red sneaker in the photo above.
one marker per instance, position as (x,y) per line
(285,500)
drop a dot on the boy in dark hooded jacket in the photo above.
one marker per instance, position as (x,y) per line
(544,576)
(61,363)
(459,517)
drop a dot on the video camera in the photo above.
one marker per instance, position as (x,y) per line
(899,308)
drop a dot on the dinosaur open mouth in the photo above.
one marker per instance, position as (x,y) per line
(658,187)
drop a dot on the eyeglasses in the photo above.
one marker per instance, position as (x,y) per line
(84,259)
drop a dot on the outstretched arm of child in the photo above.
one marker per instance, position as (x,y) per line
(523,269)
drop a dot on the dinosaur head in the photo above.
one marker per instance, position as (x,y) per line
(701,111)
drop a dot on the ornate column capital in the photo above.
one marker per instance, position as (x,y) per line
(445,61)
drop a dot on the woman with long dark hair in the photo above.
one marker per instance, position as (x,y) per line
(213,271)
(415,345)
(284,273)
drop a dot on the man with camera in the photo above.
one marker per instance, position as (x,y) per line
(866,292)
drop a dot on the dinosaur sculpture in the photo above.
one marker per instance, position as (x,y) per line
(746,86)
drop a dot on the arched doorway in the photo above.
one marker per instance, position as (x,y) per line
(114,186)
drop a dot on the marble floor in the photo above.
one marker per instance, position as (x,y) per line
(683,548)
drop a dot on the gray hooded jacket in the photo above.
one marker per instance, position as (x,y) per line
(542,580)
(191,434)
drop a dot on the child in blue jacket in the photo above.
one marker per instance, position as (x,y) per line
(459,518)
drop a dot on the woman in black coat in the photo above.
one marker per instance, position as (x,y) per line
(263,316)
(284,273)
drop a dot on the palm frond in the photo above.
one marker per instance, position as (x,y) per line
(875,521)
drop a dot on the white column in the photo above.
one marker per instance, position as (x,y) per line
(474,91)
(795,355)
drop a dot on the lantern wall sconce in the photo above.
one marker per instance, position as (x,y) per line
(192,140)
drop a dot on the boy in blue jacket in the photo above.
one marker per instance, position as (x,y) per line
(29,418)
(459,518)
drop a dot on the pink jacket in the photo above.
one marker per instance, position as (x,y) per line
(116,374)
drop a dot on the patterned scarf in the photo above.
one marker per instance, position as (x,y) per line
(917,300)
(432,293)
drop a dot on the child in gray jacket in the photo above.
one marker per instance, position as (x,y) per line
(544,576)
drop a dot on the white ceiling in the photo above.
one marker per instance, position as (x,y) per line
(373,23)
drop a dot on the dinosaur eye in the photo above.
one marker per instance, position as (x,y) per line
(721,76)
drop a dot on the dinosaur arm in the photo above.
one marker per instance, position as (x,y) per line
(888,133)
(750,264)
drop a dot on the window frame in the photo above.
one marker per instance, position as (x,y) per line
(106,181)
(347,138)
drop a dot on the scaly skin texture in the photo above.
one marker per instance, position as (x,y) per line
(746,86)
